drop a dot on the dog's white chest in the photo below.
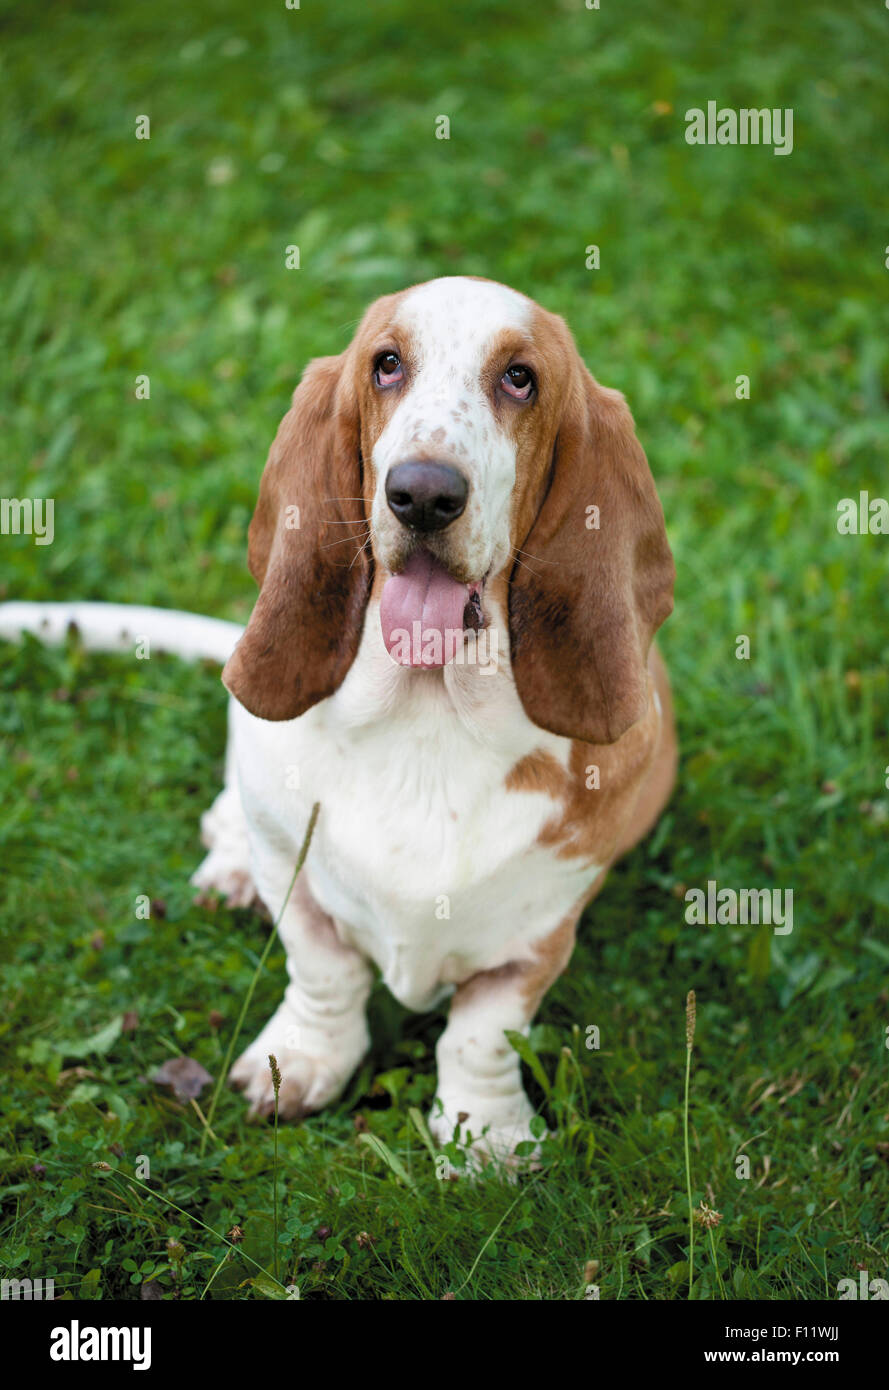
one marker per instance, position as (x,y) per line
(426,861)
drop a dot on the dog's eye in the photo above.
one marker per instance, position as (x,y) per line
(518,382)
(388,369)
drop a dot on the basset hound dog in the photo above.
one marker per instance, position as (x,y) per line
(461,560)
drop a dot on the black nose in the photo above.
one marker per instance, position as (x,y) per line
(426,496)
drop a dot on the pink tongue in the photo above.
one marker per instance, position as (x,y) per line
(421,613)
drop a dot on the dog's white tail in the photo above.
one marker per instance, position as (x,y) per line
(117,627)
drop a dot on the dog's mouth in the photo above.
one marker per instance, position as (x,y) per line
(425,612)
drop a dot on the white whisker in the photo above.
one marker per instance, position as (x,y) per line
(343,540)
(526,567)
(363,547)
(539,558)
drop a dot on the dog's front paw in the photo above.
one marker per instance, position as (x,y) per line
(314,1070)
(489,1133)
(218,873)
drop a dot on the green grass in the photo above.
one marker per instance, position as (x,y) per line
(166,257)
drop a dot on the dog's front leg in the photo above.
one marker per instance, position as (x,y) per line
(319,1032)
(479,1072)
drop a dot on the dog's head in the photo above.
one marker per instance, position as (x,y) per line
(458,442)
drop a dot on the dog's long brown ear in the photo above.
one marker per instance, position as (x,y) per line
(602,583)
(304,552)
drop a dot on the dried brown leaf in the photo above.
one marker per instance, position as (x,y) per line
(186,1077)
